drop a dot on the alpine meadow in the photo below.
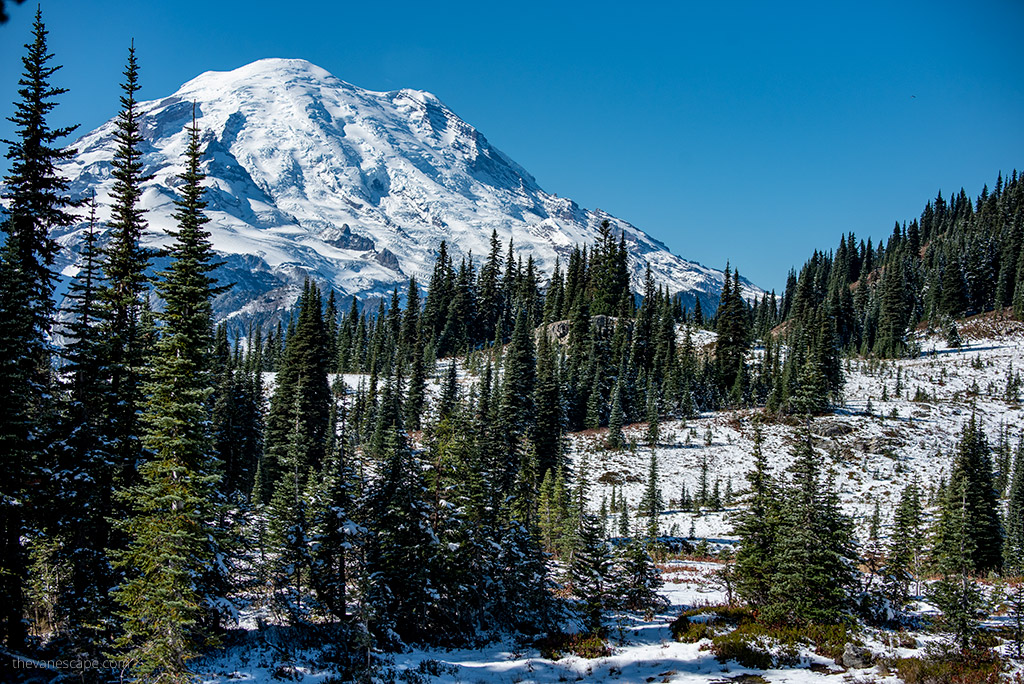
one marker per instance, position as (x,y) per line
(303,381)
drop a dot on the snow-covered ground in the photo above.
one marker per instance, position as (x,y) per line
(872,456)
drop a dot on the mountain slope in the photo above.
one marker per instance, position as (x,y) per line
(310,175)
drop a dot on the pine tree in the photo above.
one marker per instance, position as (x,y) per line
(955,594)
(616,440)
(651,505)
(549,422)
(126,293)
(589,572)
(1013,544)
(301,394)
(172,553)
(638,580)
(971,480)
(401,546)
(82,477)
(36,204)
(814,571)
(290,543)
(755,526)
(333,532)
(905,545)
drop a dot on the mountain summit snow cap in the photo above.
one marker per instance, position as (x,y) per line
(310,176)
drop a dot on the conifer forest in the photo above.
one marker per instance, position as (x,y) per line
(524,464)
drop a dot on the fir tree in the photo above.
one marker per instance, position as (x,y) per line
(905,545)
(401,547)
(616,440)
(301,395)
(589,573)
(955,594)
(172,550)
(970,495)
(638,580)
(755,526)
(652,504)
(814,560)
(1013,545)
(82,475)
(37,201)
(126,293)
(548,427)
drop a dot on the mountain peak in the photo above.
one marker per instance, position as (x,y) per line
(310,176)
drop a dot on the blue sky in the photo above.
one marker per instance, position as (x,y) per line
(744,131)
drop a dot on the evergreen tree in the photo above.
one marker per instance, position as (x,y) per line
(970,494)
(638,580)
(301,395)
(589,572)
(126,294)
(81,479)
(36,203)
(548,427)
(616,440)
(172,553)
(652,504)
(814,570)
(401,546)
(756,527)
(1013,545)
(733,334)
(905,544)
(955,594)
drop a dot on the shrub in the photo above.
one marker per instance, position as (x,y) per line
(556,645)
(979,666)
(749,651)
(751,644)
(690,631)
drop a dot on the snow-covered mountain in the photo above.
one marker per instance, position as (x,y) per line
(311,176)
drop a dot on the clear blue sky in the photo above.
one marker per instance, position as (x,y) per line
(747,131)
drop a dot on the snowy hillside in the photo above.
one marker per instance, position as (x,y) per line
(873,456)
(309,175)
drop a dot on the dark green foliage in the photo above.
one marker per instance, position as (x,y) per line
(955,594)
(616,419)
(969,506)
(300,407)
(755,525)
(608,277)
(589,573)
(638,580)
(960,258)
(815,561)
(906,545)
(1013,544)
(36,203)
(402,545)
(652,504)
(797,560)
(126,294)
(171,561)
(82,477)
(548,427)
(733,332)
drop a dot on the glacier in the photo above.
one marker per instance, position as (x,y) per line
(310,176)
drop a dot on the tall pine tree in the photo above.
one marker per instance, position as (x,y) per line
(37,202)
